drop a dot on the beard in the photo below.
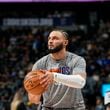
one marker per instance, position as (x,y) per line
(56,49)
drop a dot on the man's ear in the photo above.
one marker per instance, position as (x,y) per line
(66,42)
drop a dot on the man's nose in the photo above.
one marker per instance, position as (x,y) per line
(50,41)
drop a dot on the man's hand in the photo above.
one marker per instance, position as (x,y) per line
(46,79)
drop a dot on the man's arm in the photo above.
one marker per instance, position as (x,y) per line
(75,81)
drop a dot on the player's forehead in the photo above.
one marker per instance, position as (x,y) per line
(56,33)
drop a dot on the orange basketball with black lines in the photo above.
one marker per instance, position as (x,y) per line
(32,82)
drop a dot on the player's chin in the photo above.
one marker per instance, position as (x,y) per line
(51,50)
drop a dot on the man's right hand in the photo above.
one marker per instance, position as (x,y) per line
(46,79)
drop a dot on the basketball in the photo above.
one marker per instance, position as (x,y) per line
(32,82)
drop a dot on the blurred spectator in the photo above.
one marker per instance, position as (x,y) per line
(99,103)
(17,102)
(107,100)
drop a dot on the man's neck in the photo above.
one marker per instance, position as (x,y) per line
(59,55)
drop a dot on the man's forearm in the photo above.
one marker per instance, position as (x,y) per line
(75,81)
(35,99)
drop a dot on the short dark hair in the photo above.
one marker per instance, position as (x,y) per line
(64,33)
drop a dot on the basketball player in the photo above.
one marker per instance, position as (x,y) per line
(65,75)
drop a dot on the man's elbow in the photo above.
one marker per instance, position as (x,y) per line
(82,83)
(82,80)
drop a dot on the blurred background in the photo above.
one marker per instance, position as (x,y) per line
(24,28)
